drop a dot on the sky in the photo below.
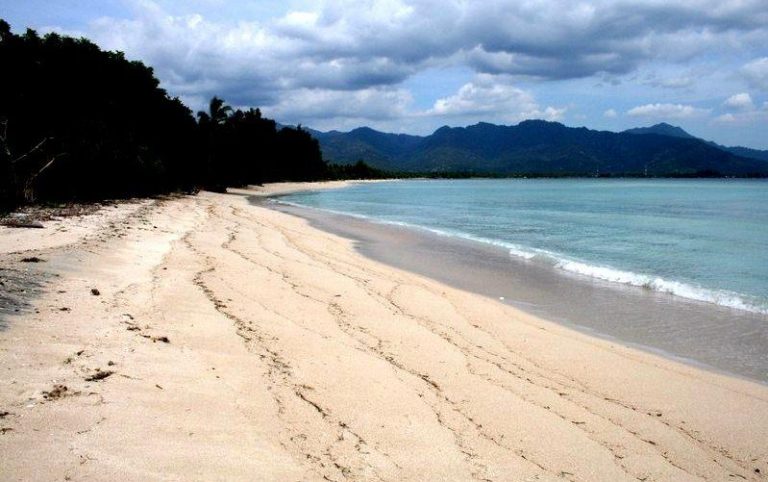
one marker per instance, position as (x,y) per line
(412,66)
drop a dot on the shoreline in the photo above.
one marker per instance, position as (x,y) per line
(593,270)
(589,306)
(244,343)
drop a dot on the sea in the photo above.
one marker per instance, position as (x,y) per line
(639,260)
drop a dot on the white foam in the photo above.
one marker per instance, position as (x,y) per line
(520,253)
(605,273)
(677,288)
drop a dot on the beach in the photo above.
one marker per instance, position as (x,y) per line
(211,337)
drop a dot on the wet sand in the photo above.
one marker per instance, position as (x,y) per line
(205,338)
(715,337)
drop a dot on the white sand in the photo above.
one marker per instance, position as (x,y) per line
(292,357)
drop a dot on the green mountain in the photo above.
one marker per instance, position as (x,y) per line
(747,152)
(540,148)
(673,131)
(663,129)
(381,150)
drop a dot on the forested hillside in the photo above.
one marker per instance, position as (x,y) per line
(540,148)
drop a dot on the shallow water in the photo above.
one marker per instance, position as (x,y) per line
(706,332)
(701,239)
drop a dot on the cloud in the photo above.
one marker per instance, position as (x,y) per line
(351,57)
(741,101)
(562,39)
(246,60)
(548,66)
(743,112)
(756,73)
(490,97)
(667,111)
(349,44)
(753,117)
(681,82)
(486,97)
(610,114)
(372,104)
(725,119)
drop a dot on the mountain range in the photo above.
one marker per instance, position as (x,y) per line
(541,148)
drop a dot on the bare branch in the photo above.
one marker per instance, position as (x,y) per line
(46,166)
(38,147)
(29,193)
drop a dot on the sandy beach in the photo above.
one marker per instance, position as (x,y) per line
(208,338)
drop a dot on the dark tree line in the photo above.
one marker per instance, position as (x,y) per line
(79,123)
(107,127)
(242,147)
(360,170)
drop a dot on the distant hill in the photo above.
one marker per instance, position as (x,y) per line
(540,148)
(663,129)
(673,131)
(381,150)
(746,152)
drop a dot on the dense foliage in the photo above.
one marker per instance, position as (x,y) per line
(242,147)
(77,122)
(100,123)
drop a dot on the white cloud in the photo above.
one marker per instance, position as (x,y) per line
(610,114)
(741,101)
(754,118)
(667,111)
(725,119)
(756,73)
(744,111)
(311,105)
(489,97)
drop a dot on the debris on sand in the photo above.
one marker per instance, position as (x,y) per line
(31,216)
(4,414)
(21,222)
(164,339)
(58,391)
(32,259)
(99,375)
(95,292)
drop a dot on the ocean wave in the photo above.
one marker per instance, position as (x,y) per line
(684,290)
(605,273)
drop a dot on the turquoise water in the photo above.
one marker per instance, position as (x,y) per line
(699,239)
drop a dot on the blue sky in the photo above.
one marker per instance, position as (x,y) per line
(415,65)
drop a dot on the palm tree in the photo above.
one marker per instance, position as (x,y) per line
(212,123)
(217,114)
